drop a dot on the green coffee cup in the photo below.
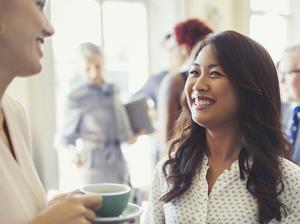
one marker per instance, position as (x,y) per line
(115,198)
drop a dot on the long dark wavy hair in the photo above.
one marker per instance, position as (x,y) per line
(253,74)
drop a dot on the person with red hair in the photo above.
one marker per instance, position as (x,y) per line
(186,34)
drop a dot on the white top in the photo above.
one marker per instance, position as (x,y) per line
(21,193)
(229,202)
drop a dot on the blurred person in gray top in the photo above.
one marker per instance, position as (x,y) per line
(174,60)
(95,117)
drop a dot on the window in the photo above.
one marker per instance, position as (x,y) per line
(269,24)
(125,38)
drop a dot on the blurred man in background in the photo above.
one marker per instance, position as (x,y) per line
(289,77)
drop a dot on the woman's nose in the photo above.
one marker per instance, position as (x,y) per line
(48,29)
(201,84)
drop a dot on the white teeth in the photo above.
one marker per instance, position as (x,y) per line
(204,102)
(201,102)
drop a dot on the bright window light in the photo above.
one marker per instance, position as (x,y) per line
(274,6)
(125,40)
(262,30)
(269,25)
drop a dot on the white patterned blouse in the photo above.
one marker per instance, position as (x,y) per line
(229,202)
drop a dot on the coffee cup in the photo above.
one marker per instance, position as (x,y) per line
(115,198)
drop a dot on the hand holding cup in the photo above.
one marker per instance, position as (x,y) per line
(115,198)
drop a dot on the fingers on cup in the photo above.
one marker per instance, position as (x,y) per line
(83,205)
(92,201)
(89,214)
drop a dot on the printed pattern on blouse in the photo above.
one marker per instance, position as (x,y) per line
(229,202)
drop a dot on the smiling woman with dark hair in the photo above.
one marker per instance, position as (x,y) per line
(228,160)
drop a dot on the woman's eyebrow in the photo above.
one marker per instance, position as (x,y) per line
(209,66)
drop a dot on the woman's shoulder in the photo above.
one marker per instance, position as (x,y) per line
(159,169)
(291,193)
(160,164)
(160,179)
(12,103)
(14,108)
(16,114)
(290,175)
(290,169)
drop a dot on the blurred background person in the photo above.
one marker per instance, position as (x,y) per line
(175,59)
(186,34)
(95,124)
(289,73)
(151,88)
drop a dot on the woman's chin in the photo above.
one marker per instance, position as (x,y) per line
(30,71)
(202,122)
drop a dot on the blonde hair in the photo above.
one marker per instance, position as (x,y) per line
(89,49)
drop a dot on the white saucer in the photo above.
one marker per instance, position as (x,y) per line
(132,211)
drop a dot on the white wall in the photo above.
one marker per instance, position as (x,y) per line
(162,16)
(295,20)
(217,13)
(241,12)
(221,14)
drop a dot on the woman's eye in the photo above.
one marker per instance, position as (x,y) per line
(214,74)
(193,73)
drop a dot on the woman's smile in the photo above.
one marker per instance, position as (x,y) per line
(202,102)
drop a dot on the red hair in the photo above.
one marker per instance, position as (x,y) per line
(190,31)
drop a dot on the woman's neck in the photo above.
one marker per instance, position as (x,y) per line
(224,144)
